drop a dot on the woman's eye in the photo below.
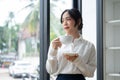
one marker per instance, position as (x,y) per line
(68,19)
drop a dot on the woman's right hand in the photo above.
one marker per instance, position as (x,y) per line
(56,43)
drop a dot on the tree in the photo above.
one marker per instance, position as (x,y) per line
(30,27)
(55,26)
(31,22)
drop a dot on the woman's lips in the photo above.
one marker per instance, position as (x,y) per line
(66,27)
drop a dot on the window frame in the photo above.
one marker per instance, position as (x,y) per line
(45,33)
(100,73)
(44,37)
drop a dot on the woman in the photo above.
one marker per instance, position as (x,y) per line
(67,67)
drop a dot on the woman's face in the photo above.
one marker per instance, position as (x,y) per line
(68,23)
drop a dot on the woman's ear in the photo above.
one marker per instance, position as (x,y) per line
(78,23)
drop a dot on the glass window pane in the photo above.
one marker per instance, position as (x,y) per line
(19,34)
(56,8)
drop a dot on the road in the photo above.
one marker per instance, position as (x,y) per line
(5,76)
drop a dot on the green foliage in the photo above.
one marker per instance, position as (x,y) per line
(9,34)
(32,19)
(2,41)
(31,23)
(56,28)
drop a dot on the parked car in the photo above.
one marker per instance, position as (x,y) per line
(32,76)
(19,68)
(6,60)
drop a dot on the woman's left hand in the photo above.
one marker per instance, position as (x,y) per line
(71,58)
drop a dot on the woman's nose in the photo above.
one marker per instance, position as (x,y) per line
(64,22)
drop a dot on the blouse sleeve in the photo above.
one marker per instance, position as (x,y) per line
(88,68)
(51,63)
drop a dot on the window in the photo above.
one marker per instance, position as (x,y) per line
(19,30)
(56,9)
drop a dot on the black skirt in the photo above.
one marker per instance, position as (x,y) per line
(70,77)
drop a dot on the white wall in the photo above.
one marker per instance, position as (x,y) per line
(89,22)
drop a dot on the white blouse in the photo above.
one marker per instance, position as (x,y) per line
(85,64)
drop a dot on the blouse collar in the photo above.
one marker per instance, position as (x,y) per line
(77,39)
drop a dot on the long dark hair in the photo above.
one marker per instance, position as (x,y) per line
(74,14)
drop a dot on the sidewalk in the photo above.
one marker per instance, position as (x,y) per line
(3,70)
